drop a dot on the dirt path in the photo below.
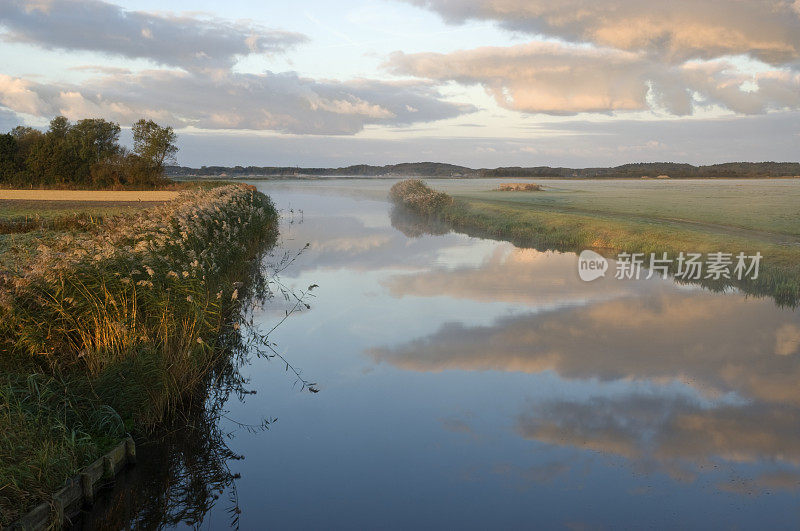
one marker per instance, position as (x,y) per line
(88,195)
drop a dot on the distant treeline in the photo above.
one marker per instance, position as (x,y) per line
(431,169)
(85,154)
(435,169)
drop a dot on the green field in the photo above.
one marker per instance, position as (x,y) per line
(640,217)
(770,206)
(48,210)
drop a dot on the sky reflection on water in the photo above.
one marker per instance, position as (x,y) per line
(465,382)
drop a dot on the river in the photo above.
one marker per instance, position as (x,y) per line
(467,383)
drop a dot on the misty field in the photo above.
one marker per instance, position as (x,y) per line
(764,205)
(635,217)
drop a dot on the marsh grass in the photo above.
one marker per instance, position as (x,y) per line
(525,225)
(115,328)
(48,428)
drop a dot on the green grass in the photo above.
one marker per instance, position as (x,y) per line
(762,205)
(49,427)
(17,217)
(48,210)
(115,328)
(634,218)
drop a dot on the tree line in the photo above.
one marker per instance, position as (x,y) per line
(435,169)
(86,154)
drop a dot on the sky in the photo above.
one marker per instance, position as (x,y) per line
(482,83)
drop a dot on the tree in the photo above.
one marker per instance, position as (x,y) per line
(95,139)
(9,158)
(55,159)
(26,137)
(59,127)
(153,143)
(86,153)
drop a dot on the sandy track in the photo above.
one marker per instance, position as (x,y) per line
(87,195)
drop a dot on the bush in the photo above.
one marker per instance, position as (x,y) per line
(520,187)
(419,197)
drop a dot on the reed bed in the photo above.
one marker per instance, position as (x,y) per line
(124,318)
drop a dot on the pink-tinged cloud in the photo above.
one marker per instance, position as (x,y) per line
(675,31)
(282,102)
(553,78)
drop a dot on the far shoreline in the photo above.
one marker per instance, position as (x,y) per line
(440,177)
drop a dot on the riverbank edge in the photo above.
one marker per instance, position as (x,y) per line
(267,232)
(779,276)
(79,490)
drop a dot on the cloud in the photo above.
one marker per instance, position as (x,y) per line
(192,43)
(554,78)
(538,473)
(677,436)
(282,102)
(714,344)
(510,274)
(539,77)
(676,31)
(573,143)
(456,425)
(8,120)
(356,241)
(787,340)
(672,433)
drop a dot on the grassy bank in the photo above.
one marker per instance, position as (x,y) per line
(538,220)
(112,327)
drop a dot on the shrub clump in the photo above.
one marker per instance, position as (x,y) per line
(519,187)
(415,195)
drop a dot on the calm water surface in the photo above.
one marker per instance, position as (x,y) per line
(469,383)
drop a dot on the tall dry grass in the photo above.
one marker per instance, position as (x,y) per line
(127,320)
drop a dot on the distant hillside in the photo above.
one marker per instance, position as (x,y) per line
(436,169)
(427,169)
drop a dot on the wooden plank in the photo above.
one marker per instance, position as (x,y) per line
(79,490)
